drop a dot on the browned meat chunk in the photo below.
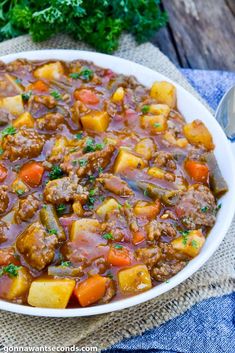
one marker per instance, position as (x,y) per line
(117,225)
(27,208)
(164,159)
(3,228)
(131,218)
(50,121)
(156,229)
(64,190)
(87,164)
(25,143)
(196,207)
(98,266)
(49,101)
(4,199)
(37,246)
(164,271)
(115,185)
(109,293)
(7,256)
(149,256)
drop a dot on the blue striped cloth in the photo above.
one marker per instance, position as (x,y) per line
(208,327)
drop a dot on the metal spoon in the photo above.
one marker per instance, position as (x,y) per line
(225,113)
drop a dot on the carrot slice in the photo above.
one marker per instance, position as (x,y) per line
(31,173)
(119,256)
(91,290)
(198,171)
(138,237)
(3,173)
(86,96)
(39,86)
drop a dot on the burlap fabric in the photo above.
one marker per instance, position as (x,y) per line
(213,279)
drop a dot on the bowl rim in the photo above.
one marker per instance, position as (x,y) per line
(193,265)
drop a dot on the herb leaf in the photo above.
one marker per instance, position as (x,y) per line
(56,95)
(56,172)
(11,270)
(107,236)
(9,130)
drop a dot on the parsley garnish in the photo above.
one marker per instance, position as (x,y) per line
(107,236)
(9,130)
(44,206)
(52,231)
(218,207)
(66,263)
(61,208)
(157,124)
(91,146)
(20,192)
(146,192)
(82,162)
(79,136)
(100,170)
(118,246)
(56,172)
(74,75)
(86,74)
(26,95)
(194,244)
(145,109)
(56,95)
(185,234)
(18,80)
(109,275)
(11,270)
(1,151)
(91,178)
(204,209)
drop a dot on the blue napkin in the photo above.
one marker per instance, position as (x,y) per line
(208,327)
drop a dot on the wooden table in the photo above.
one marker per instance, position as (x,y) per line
(200,34)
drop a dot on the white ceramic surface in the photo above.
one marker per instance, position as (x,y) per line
(191,109)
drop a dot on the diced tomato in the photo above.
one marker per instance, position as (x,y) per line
(119,256)
(3,173)
(91,290)
(138,237)
(31,173)
(197,170)
(86,96)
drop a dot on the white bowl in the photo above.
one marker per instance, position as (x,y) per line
(191,109)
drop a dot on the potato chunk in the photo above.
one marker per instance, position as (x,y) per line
(50,293)
(198,134)
(14,104)
(147,209)
(107,206)
(52,71)
(24,120)
(77,208)
(190,243)
(118,95)
(95,121)
(19,284)
(84,225)
(19,187)
(146,148)
(164,92)
(134,279)
(155,123)
(126,159)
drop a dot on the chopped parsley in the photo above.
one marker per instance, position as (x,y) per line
(185,234)
(118,246)
(56,172)
(52,231)
(91,146)
(56,95)
(79,136)
(127,204)
(20,192)
(66,263)
(145,109)
(11,270)
(85,74)
(194,244)
(91,178)
(1,151)
(100,170)
(82,162)
(26,95)
(107,236)
(157,124)
(61,208)
(44,206)
(18,80)
(74,75)
(218,207)
(92,192)
(146,192)
(9,130)
(109,275)
(204,209)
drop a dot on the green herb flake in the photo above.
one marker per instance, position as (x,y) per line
(44,207)
(146,194)
(127,204)
(82,162)
(145,109)
(91,146)
(56,172)
(118,246)
(26,95)
(66,263)
(107,236)
(11,270)
(61,208)
(109,275)
(20,192)
(157,125)
(194,244)
(86,74)
(74,75)
(18,80)
(92,192)
(91,178)
(1,151)
(218,207)
(185,235)
(100,170)
(56,95)
(79,136)
(9,130)
(204,209)
(52,231)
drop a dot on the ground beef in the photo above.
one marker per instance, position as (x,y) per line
(164,159)
(98,266)
(131,218)
(115,185)
(196,207)
(25,143)
(149,256)
(3,228)
(110,291)
(7,256)
(164,271)
(116,224)
(64,190)
(88,163)
(49,101)
(4,199)
(156,229)
(37,246)
(50,121)
(27,208)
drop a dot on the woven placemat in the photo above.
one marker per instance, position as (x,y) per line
(213,279)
